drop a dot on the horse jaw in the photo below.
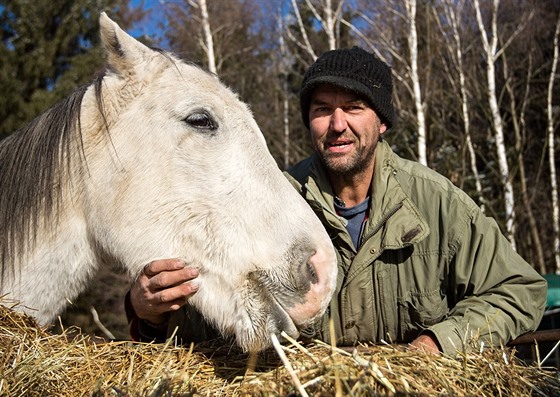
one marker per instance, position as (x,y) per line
(253,304)
(248,314)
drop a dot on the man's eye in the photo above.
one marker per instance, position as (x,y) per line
(355,108)
(202,121)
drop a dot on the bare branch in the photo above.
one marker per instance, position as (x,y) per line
(307,44)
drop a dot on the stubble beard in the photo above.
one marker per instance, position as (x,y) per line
(346,165)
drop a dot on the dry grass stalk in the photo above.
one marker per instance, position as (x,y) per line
(34,362)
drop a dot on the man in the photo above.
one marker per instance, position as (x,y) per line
(418,261)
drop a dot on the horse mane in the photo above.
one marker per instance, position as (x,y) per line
(33,161)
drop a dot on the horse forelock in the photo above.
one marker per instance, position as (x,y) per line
(32,163)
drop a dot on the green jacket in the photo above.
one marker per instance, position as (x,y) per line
(428,259)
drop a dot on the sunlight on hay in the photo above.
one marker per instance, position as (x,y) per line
(34,362)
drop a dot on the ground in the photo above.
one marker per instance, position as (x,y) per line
(106,295)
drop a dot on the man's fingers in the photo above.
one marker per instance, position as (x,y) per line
(163,286)
(163,265)
(426,343)
(168,279)
(169,297)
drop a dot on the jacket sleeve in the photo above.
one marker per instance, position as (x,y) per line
(186,325)
(494,295)
(141,330)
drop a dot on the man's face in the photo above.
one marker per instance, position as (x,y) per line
(344,130)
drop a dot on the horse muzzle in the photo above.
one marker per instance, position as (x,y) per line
(298,294)
(317,280)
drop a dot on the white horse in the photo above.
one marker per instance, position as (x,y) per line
(158,159)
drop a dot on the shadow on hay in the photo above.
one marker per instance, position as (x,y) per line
(230,362)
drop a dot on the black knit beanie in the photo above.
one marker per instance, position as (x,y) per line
(356,70)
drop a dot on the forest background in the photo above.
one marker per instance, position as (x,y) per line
(477,90)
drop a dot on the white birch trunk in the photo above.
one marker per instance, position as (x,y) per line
(413,46)
(452,14)
(519,123)
(284,69)
(490,49)
(551,151)
(208,39)
(329,25)
(329,20)
(286,122)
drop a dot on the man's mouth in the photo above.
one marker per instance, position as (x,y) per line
(339,146)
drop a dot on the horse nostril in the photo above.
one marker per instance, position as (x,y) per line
(312,273)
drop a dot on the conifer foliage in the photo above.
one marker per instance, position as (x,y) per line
(47,49)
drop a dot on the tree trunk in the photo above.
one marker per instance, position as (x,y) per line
(456,48)
(329,25)
(306,44)
(490,49)
(413,47)
(518,125)
(551,151)
(208,39)
(284,73)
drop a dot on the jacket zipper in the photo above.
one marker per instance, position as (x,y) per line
(382,222)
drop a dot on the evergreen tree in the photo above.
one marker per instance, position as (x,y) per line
(47,49)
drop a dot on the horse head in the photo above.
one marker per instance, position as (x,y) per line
(169,162)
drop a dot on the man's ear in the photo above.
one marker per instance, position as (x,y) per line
(382,128)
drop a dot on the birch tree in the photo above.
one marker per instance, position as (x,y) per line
(410,7)
(519,123)
(328,20)
(452,12)
(327,17)
(518,93)
(284,73)
(304,42)
(551,150)
(220,37)
(207,41)
(490,47)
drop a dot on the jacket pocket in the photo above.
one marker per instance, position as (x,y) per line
(420,310)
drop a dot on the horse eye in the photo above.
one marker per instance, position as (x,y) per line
(201,120)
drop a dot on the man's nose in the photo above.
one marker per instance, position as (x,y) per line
(338,120)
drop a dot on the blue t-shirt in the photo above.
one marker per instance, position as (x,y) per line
(355,216)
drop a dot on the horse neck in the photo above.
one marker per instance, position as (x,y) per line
(34,162)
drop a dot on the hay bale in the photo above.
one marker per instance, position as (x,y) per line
(34,362)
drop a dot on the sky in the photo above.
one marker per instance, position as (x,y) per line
(151,25)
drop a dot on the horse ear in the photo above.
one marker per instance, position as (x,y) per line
(123,50)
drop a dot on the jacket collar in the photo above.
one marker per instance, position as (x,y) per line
(392,213)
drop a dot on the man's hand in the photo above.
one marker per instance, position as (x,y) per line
(426,343)
(163,286)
